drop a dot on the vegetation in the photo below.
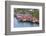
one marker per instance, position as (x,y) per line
(22,10)
(34,12)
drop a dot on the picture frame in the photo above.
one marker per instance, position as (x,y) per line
(11,10)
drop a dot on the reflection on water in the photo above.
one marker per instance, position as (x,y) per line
(23,24)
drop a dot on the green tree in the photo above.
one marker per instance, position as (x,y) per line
(35,13)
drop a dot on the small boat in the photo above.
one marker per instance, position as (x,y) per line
(36,21)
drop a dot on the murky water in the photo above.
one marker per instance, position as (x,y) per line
(23,24)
